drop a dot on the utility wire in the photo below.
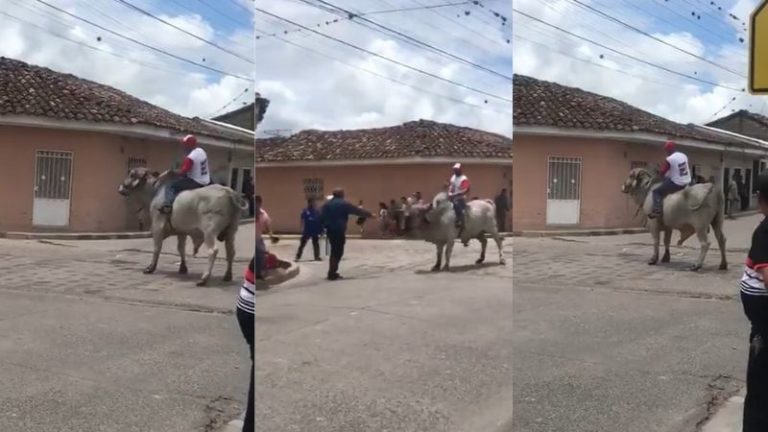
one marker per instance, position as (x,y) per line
(643,32)
(239,95)
(413,40)
(158,50)
(387,59)
(664,68)
(91,47)
(169,24)
(396,81)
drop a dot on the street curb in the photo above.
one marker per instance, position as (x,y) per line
(14,235)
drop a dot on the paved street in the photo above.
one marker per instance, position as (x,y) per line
(390,348)
(603,342)
(89,343)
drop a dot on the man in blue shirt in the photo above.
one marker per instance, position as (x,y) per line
(335,214)
(311,228)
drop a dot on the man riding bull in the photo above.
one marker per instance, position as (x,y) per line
(193,173)
(677,175)
(458,188)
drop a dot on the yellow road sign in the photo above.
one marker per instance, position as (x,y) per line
(758,50)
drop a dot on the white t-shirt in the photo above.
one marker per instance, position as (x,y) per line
(679,171)
(455,183)
(199,171)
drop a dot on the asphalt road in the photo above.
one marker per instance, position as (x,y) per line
(89,343)
(391,348)
(603,342)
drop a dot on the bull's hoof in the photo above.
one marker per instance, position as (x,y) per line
(183,269)
(435,268)
(480,261)
(723,266)
(503,262)
(227,277)
(665,259)
(149,270)
(202,282)
(653,261)
(446,268)
(694,268)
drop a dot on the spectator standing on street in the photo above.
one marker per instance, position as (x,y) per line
(502,207)
(245,311)
(335,215)
(733,196)
(262,224)
(311,228)
(384,221)
(754,298)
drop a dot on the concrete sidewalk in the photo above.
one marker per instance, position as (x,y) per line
(728,417)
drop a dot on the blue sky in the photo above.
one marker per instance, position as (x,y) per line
(712,43)
(36,33)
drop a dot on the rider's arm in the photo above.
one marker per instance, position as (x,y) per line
(186,166)
(664,168)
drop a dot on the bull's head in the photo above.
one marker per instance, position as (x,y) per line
(636,179)
(137,177)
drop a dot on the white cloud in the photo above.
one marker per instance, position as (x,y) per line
(172,84)
(310,91)
(715,37)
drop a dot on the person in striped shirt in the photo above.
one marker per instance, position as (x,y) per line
(754,298)
(245,313)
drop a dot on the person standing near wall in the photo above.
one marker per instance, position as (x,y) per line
(754,298)
(502,208)
(732,196)
(335,216)
(311,228)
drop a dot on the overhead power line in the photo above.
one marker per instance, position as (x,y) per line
(387,59)
(239,95)
(664,68)
(169,24)
(355,17)
(91,47)
(662,41)
(382,76)
(158,50)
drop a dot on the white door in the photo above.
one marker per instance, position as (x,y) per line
(564,191)
(53,185)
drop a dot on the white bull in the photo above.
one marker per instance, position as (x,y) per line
(206,214)
(436,223)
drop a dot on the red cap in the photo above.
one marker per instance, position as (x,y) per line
(189,141)
(669,146)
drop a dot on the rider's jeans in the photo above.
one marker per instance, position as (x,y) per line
(666,188)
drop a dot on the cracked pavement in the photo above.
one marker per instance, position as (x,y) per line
(89,343)
(604,342)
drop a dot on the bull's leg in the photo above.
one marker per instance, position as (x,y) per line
(448,252)
(704,240)
(667,241)
(213,250)
(717,227)
(197,241)
(157,240)
(439,261)
(483,246)
(500,244)
(181,246)
(229,244)
(656,234)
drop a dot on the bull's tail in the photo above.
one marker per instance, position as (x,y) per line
(239,205)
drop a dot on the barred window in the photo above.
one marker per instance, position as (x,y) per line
(136,163)
(313,188)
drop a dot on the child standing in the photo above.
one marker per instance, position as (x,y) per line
(754,298)
(245,313)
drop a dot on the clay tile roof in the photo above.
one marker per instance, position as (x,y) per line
(544,103)
(422,138)
(757,118)
(30,90)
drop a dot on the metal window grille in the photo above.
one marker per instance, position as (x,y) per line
(564,178)
(136,163)
(53,174)
(313,188)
